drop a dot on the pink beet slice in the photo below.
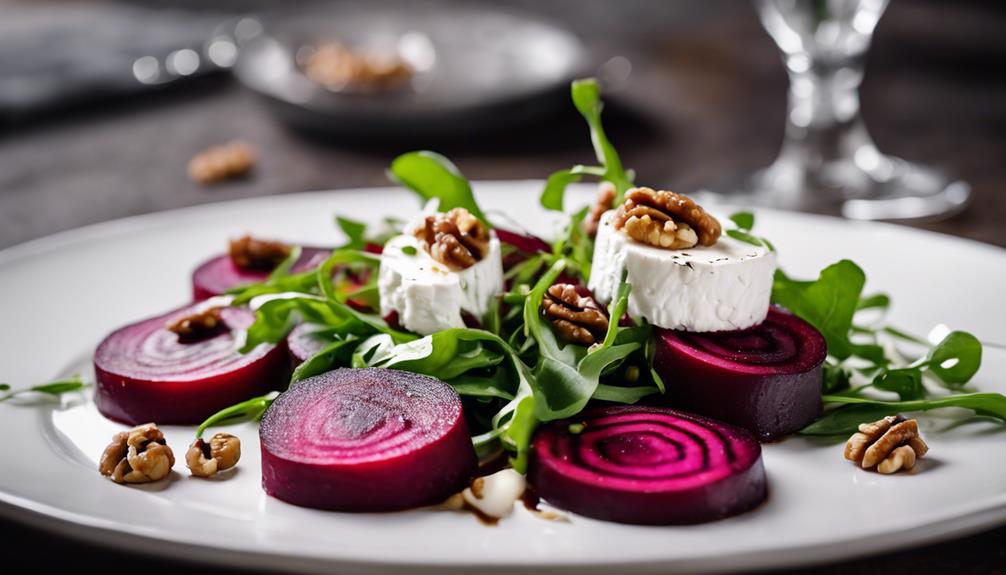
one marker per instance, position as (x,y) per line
(219,274)
(366,440)
(145,374)
(304,341)
(647,465)
(766,379)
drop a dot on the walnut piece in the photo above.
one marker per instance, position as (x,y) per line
(891,444)
(198,326)
(666,220)
(456,239)
(250,253)
(140,455)
(605,201)
(217,163)
(337,67)
(207,459)
(577,318)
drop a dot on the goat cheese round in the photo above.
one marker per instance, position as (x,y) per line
(427,296)
(723,287)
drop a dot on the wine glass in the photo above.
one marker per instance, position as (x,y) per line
(828,162)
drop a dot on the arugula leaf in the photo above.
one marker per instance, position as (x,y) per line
(836,378)
(623,394)
(53,388)
(743,236)
(337,258)
(956,359)
(743,220)
(586,95)
(355,232)
(906,382)
(433,176)
(555,186)
(446,354)
(336,354)
(827,303)
(275,318)
(251,410)
(844,420)
(875,301)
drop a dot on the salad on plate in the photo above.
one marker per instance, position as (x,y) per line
(626,369)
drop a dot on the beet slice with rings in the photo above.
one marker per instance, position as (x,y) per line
(766,379)
(144,372)
(647,465)
(366,440)
(305,341)
(219,274)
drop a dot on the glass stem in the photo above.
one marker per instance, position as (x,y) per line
(823,123)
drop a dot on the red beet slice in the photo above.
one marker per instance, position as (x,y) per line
(304,341)
(766,379)
(366,440)
(217,275)
(145,374)
(523,242)
(647,465)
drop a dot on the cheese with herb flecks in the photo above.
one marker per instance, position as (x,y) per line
(722,287)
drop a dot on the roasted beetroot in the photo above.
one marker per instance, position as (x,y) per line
(766,379)
(144,372)
(217,275)
(366,440)
(647,465)
(305,341)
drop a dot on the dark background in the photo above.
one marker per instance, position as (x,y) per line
(706,98)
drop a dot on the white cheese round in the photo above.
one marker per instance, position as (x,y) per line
(723,287)
(427,296)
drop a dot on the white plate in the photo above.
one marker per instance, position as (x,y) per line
(60,295)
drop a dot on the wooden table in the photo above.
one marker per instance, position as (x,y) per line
(705,98)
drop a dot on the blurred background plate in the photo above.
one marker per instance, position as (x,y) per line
(475,66)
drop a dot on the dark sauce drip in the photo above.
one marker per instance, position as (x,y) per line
(531,500)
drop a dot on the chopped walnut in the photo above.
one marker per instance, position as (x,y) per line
(891,444)
(337,67)
(250,253)
(456,239)
(140,455)
(220,454)
(605,201)
(577,318)
(218,163)
(198,326)
(666,220)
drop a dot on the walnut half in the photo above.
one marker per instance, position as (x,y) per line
(577,318)
(891,444)
(198,326)
(206,459)
(666,220)
(231,160)
(250,253)
(140,455)
(456,239)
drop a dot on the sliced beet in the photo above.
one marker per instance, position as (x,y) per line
(145,373)
(766,379)
(366,440)
(217,275)
(305,341)
(523,242)
(647,465)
